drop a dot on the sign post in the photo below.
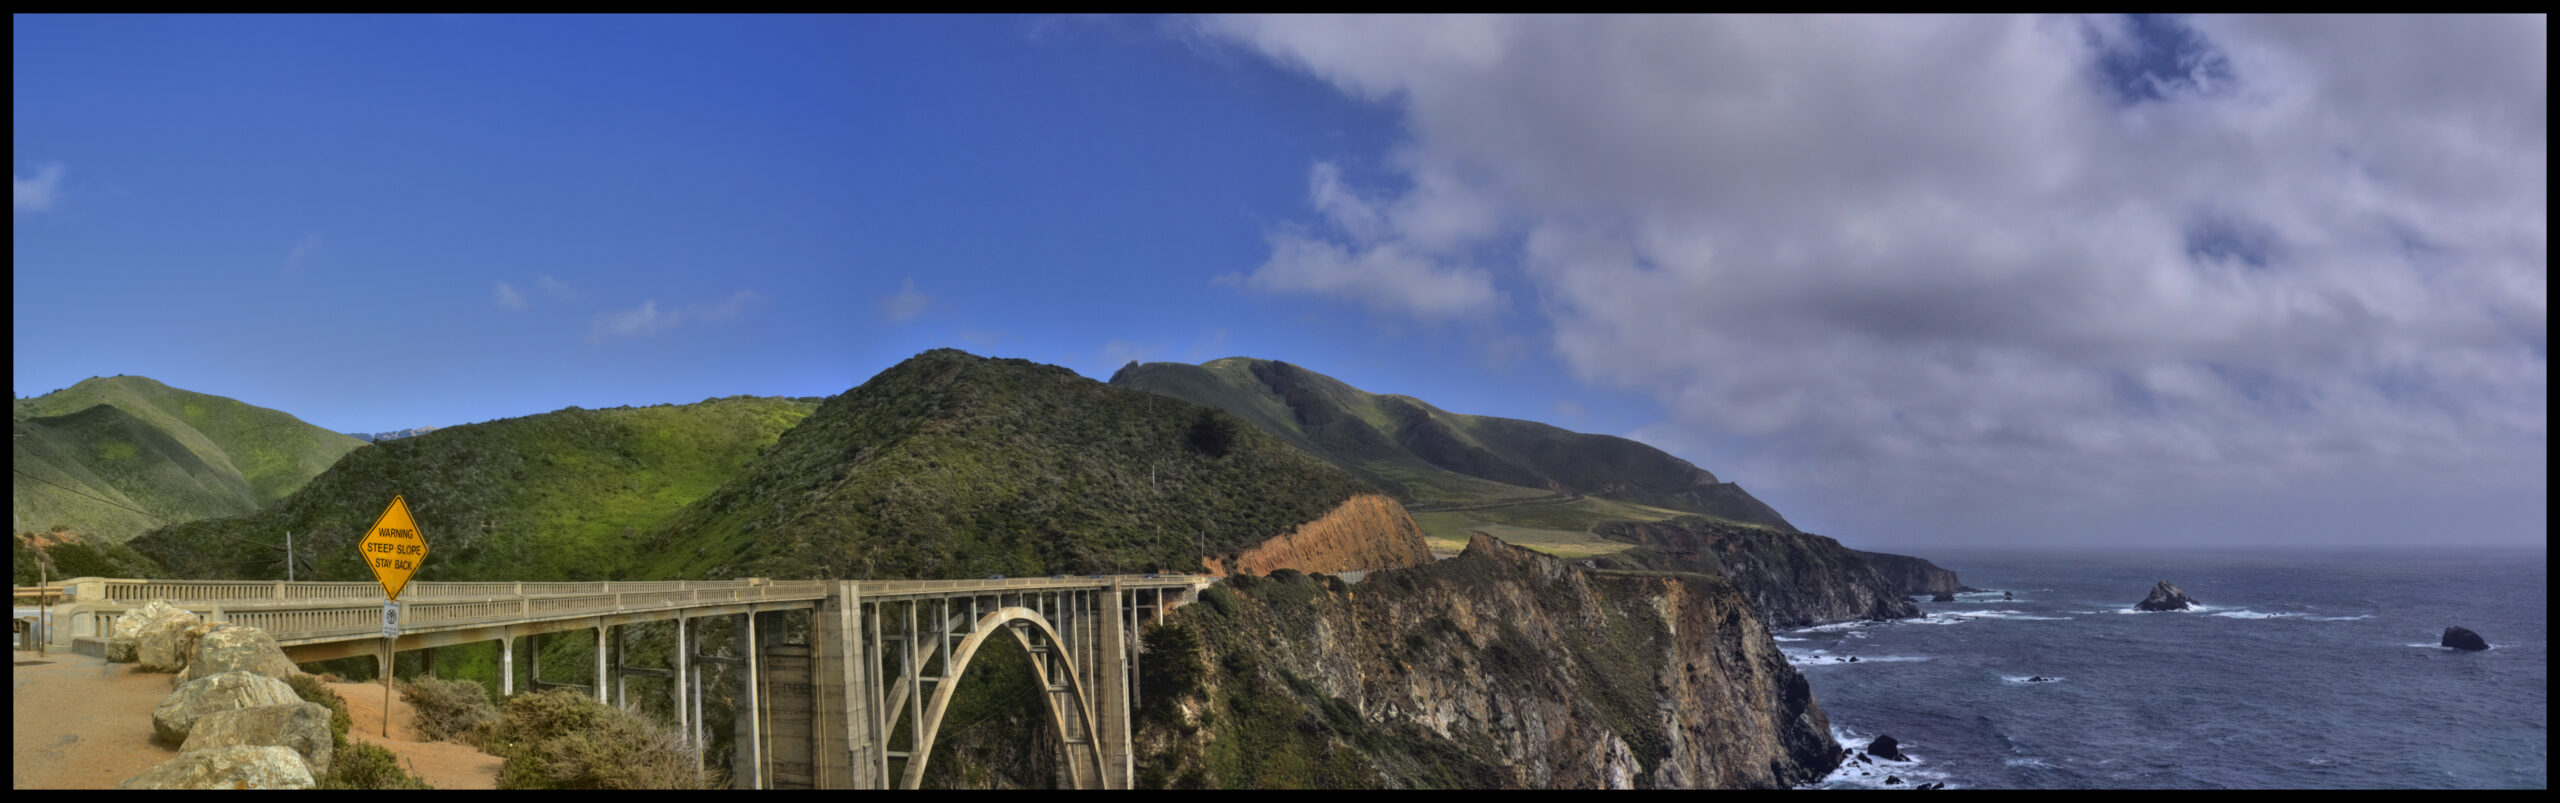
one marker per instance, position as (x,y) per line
(393,549)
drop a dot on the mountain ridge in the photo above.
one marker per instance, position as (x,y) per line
(112,457)
(1434,459)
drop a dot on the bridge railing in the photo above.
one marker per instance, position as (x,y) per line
(318,610)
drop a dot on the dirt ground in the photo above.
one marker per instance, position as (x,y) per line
(443,765)
(81,723)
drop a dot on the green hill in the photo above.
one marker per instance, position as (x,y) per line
(953,465)
(110,458)
(1458,471)
(564,495)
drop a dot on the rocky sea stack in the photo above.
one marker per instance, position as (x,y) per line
(2166,596)
(2461,638)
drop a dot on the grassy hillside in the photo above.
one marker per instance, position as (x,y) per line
(112,457)
(563,495)
(1538,485)
(952,465)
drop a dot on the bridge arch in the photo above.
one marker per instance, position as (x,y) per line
(1084,766)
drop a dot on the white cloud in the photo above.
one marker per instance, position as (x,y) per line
(646,320)
(557,289)
(302,252)
(508,298)
(1395,260)
(36,194)
(1946,261)
(906,304)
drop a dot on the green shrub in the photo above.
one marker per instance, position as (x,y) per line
(564,740)
(449,710)
(365,765)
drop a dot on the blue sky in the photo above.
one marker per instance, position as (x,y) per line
(1967,280)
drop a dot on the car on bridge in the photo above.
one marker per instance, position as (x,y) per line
(995,577)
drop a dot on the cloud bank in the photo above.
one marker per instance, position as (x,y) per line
(647,320)
(1943,263)
(37,193)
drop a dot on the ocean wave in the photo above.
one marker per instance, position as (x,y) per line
(2003,614)
(1823,658)
(1856,774)
(1835,627)
(1783,638)
(2245,613)
(2025,679)
(2339,618)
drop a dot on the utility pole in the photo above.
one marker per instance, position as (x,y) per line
(288,556)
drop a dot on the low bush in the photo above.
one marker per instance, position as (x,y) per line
(565,740)
(365,765)
(449,710)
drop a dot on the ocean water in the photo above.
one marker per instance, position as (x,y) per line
(2301,671)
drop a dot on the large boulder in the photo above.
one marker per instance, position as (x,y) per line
(2461,638)
(1886,747)
(2166,597)
(302,727)
(124,639)
(176,715)
(236,648)
(268,767)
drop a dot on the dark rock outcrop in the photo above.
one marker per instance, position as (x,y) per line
(2166,597)
(1910,575)
(1942,597)
(1886,747)
(1793,579)
(2461,638)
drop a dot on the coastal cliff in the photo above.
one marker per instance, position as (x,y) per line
(1367,531)
(1914,575)
(1793,579)
(1499,668)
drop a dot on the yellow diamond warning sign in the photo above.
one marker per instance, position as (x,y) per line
(393,548)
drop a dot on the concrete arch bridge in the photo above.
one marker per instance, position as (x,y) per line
(878,659)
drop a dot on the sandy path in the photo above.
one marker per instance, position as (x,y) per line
(78,722)
(81,723)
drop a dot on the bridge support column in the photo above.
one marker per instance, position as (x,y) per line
(507,665)
(746,768)
(1112,678)
(601,688)
(684,670)
(843,713)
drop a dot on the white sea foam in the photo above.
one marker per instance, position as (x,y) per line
(2339,618)
(2245,613)
(1783,638)
(1826,658)
(2003,614)
(2026,762)
(2024,679)
(1856,774)
(1835,627)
